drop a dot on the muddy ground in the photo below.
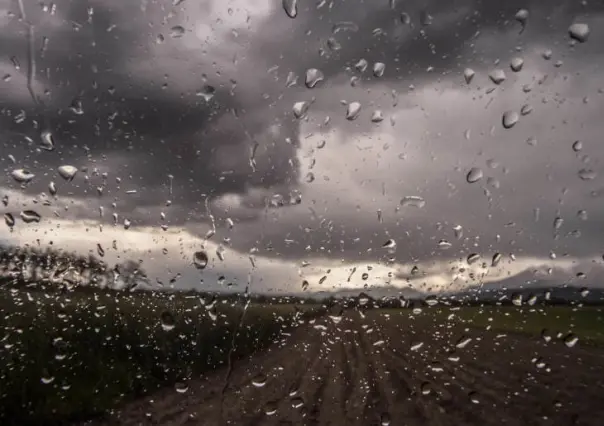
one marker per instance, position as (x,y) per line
(385,369)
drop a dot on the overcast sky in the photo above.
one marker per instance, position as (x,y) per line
(189,110)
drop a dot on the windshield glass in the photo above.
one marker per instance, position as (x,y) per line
(291,212)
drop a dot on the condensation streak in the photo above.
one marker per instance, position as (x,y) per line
(31,60)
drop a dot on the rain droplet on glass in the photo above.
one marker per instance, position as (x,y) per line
(30,216)
(463,342)
(468,75)
(497,76)
(377,116)
(577,146)
(385,419)
(313,77)
(509,119)
(177,31)
(587,174)
(47,379)
(570,340)
(77,107)
(291,8)
(300,109)
(474,175)
(9,219)
(47,141)
(67,172)
(167,321)
(579,32)
(526,109)
(516,64)
(378,69)
(444,245)
(291,80)
(270,409)
(200,259)
(259,381)
(361,65)
(458,230)
(344,26)
(22,175)
(413,201)
(522,16)
(353,110)
(389,244)
(181,387)
(496,259)
(297,402)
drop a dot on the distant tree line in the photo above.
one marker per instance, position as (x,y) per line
(36,265)
(50,267)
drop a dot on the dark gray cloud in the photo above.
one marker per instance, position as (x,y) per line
(150,130)
(145,119)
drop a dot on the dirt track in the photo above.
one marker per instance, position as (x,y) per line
(370,371)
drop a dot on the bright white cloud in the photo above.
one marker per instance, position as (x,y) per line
(167,253)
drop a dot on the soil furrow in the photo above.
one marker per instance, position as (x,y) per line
(368,371)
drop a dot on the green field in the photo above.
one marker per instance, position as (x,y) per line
(69,356)
(586,323)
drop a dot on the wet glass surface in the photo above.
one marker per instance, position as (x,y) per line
(287,212)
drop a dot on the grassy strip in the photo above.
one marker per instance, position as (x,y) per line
(71,357)
(587,323)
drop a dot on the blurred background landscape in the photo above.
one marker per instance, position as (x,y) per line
(301,212)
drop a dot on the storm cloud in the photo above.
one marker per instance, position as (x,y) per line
(187,111)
